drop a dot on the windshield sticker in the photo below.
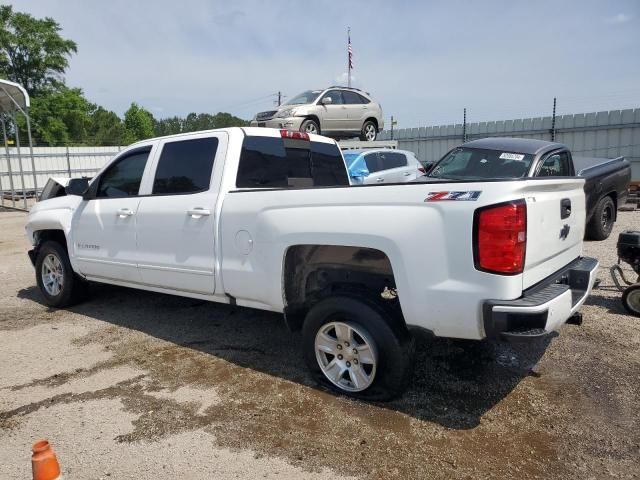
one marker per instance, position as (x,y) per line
(470,196)
(512,156)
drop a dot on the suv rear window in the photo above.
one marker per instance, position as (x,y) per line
(272,162)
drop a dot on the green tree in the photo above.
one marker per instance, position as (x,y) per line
(138,124)
(106,128)
(168,126)
(60,116)
(32,52)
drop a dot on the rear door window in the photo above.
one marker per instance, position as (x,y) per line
(185,166)
(373,162)
(272,162)
(392,160)
(351,97)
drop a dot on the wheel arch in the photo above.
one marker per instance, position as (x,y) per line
(315,118)
(374,120)
(313,272)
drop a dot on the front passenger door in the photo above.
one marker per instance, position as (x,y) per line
(334,114)
(104,226)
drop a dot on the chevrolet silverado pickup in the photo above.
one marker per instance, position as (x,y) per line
(606,179)
(264,218)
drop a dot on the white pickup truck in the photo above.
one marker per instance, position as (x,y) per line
(266,219)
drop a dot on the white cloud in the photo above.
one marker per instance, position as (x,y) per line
(619,18)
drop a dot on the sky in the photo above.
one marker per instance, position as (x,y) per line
(423,61)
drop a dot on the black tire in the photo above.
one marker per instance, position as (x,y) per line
(631,299)
(74,289)
(368,126)
(601,224)
(308,125)
(392,341)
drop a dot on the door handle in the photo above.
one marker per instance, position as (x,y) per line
(565,208)
(380,180)
(198,212)
(124,212)
(406,174)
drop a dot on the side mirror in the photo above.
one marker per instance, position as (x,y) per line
(77,186)
(327,101)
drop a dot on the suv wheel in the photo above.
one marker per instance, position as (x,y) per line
(310,126)
(369,131)
(353,346)
(59,285)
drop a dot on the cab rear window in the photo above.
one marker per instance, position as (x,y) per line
(272,162)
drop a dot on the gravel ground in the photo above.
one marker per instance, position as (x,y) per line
(134,384)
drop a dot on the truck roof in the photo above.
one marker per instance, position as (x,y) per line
(519,145)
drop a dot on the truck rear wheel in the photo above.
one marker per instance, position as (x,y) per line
(353,346)
(59,284)
(601,224)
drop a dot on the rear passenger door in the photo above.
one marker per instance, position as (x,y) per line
(356,109)
(177,217)
(394,166)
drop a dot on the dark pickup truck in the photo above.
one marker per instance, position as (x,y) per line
(606,180)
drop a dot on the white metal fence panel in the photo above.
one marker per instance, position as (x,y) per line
(596,134)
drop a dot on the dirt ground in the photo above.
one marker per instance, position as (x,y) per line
(134,384)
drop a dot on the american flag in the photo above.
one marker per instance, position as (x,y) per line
(350,51)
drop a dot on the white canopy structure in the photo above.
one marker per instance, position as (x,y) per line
(14,100)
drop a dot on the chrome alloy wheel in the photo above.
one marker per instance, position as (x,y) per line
(52,275)
(370,132)
(346,355)
(310,128)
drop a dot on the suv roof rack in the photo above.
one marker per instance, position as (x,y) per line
(348,88)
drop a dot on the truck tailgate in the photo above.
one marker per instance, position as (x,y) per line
(555,227)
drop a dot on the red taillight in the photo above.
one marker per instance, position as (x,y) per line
(297,135)
(422,170)
(501,238)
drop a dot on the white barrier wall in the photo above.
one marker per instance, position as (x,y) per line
(49,162)
(597,134)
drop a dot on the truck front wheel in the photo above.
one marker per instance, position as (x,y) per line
(59,285)
(601,224)
(353,345)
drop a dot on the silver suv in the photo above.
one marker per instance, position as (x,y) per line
(337,112)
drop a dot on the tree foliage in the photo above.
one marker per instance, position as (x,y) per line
(138,124)
(32,52)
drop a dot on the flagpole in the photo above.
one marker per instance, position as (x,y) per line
(349,56)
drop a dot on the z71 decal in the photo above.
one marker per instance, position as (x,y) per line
(463,196)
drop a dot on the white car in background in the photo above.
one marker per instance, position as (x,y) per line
(382,165)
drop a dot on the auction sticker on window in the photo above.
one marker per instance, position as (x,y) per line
(511,156)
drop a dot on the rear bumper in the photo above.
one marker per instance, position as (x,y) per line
(543,308)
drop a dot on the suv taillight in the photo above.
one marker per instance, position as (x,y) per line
(500,238)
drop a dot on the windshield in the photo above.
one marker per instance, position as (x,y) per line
(305,97)
(475,163)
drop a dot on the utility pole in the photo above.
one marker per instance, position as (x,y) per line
(393,122)
(553,121)
(464,127)
(279,98)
